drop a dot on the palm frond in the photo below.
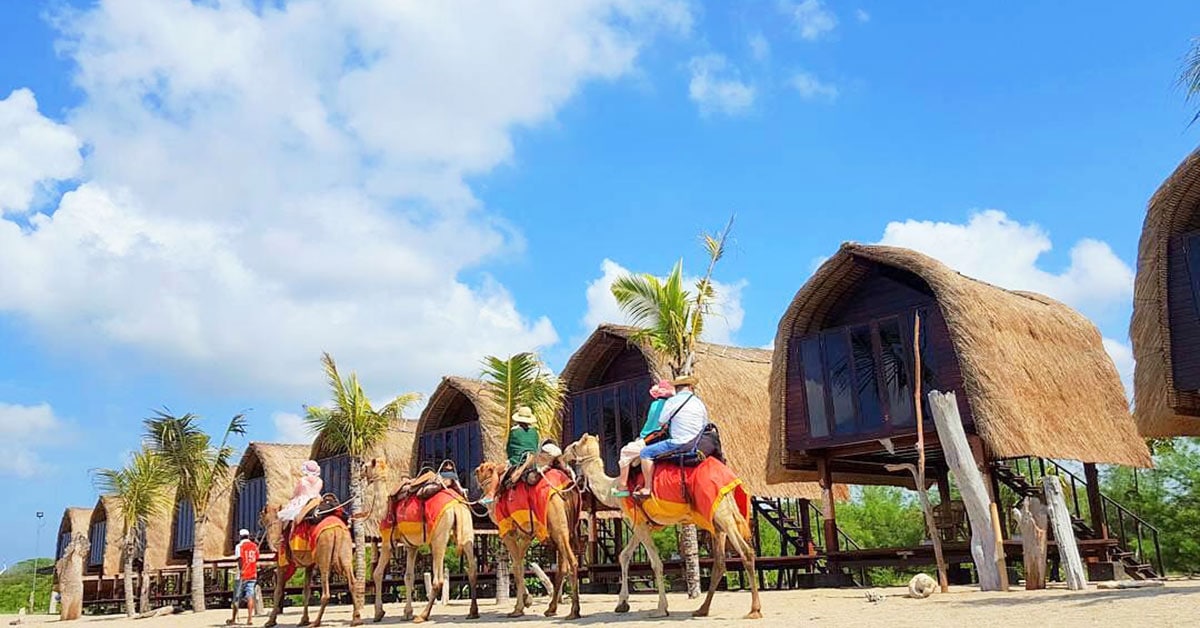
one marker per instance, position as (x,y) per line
(1189,78)
(140,487)
(523,380)
(351,424)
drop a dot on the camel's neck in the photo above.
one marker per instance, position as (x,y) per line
(598,481)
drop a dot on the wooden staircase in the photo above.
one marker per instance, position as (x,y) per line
(1137,549)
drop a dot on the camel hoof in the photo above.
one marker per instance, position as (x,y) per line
(305,622)
(657,614)
(754,615)
(573,615)
(356,622)
(316,624)
(419,620)
(473,615)
(270,624)
(551,612)
(700,612)
(623,607)
(379,616)
(515,614)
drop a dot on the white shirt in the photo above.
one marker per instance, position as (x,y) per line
(689,417)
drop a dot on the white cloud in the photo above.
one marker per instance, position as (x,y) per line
(717,87)
(265,182)
(862,16)
(721,325)
(811,18)
(1122,356)
(33,151)
(290,428)
(812,88)
(999,250)
(23,429)
(760,48)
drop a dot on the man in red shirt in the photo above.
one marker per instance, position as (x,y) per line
(247,553)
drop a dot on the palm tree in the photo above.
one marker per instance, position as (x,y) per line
(141,489)
(1189,79)
(523,380)
(199,471)
(353,426)
(670,319)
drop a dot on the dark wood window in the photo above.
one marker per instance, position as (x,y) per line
(1191,247)
(185,527)
(461,444)
(251,500)
(614,413)
(335,475)
(858,380)
(97,534)
(63,539)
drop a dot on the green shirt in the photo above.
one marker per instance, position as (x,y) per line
(653,418)
(522,440)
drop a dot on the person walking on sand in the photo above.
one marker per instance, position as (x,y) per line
(247,553)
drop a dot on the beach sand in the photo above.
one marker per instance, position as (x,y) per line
(1177,604)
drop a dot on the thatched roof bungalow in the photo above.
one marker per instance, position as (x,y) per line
(462,423)
(74,520)
(607,380)
(1031,375)
(267,474)
(105,532)
(1166,309)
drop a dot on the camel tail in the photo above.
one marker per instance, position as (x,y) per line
(462,525)
(743,526)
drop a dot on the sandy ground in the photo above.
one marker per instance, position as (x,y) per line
(1177,604)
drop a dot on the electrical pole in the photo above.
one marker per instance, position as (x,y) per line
(37,540)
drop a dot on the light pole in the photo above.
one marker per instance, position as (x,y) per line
(37,541)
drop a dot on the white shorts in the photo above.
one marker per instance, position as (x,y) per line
(631,452)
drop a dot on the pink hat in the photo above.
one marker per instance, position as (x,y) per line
(663,389)
(310,467)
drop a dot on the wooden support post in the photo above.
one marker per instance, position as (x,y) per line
(825,479)
(986,548)
(1064,535)
(943,484)
(1095,500)
(806,526)
(541,575)
(1032,519)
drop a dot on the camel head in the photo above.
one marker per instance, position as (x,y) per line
(269,520)
(586,448)
(488,475)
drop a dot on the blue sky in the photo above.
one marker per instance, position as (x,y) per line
(196,199)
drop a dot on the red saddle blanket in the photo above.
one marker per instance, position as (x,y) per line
(524,507)
(304,535)
(415,518)
(686,495)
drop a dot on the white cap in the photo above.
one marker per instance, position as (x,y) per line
(243,532)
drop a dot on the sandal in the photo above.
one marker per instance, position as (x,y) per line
(620,492)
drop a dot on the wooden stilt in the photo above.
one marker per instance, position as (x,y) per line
(1064,534)
(825,479)
(1032,519)
(1095,499)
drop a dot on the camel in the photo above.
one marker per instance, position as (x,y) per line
(68,572)
(562,514)
(727,524)
(456,520)
(334,551)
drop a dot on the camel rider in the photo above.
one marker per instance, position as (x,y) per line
(631,452)
(522,447)
(686,417)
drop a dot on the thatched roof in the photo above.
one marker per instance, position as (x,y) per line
(159,536)
(108,508)
(733,385)
(279,464)
(1036,375)
(1174,209)
(74,520)
(455,396)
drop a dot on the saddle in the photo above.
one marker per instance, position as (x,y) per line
(317,509)
(706,445)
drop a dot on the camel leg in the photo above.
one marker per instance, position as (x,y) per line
(746,551)
(573,565)
(343,561)
(438,548)
(282,575)
(468,546)
(308,573)
(718,572)
(410,579)
(624,558)
(324,556)
(656,565)
(516,554)
(381,565)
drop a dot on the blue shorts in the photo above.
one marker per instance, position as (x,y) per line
(663,448)
(243,590)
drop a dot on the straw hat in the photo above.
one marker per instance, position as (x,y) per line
(524,416)
(685,380)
